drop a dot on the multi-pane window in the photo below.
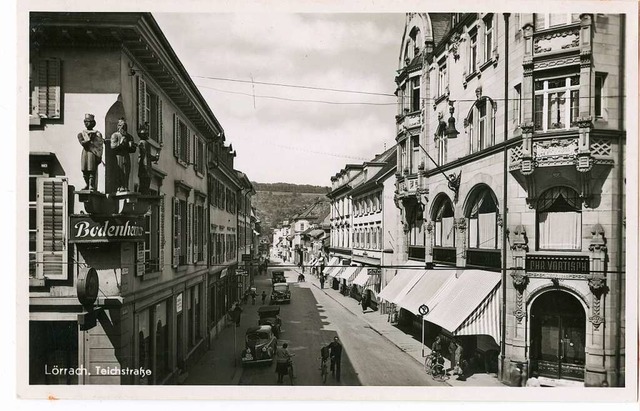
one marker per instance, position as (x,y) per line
(415,94)
(416,233)
(180,228)
(599,98)
(480,123)
(45,93)
(488,37)
(482,220)
(404,164)
(149,110)
(473,52)
(556,102)
(442,78)
(549,20)
(444,223)
(48,202)
(559,219)
(151,243)
(517,103)
(180,140)
(415,153)
(198,160)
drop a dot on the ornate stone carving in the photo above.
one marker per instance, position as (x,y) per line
(454,45)
(429,226)
(539,65)
(519,239)
(499,221)
(461,224)
(598,241)
(598,286)
(520,280)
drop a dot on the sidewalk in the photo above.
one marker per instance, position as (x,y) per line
(378,322)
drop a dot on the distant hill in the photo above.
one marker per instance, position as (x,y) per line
(276,202)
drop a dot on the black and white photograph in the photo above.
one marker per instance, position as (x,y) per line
(338,201)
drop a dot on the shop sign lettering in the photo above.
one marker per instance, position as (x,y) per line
(557,264)
(84,229)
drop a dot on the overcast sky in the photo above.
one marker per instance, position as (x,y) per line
(279,140)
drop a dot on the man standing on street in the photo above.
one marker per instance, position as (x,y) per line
(335,350)
(321,281)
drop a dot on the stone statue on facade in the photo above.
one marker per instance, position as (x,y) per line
(122,145)
(145,158)
(92,147)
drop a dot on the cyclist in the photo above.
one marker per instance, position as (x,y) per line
(283,359)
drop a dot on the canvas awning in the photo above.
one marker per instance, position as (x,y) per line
(332,263)
(423,290)
(467,303)
(402,279)
(362,278)
(337,272)
(349,274)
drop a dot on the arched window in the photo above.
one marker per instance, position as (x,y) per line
(559,220)
(443,219)
(482,218)
(480,124)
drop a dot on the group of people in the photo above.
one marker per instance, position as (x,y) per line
(333,351)
(456,352)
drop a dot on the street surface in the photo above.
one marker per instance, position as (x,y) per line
(311,321)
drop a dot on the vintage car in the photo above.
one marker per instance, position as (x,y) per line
(278,277)
(280,294)
(269,315)
(260,345)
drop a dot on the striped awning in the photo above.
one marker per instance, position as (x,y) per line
(362,278)
(402,280)
(337,272)
(466,303)
(332,263)
(424,290)
(349,274)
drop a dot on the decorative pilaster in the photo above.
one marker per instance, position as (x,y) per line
(461,242)
(597,284)
(519,247)
(520,282)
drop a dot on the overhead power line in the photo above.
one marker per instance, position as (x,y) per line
(336,90)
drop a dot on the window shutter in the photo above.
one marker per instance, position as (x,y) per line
(142,101)
(205,232)
(46,98)
(51,238)
(176,134)
(189,158)
(160,123)
(189,233)
(161,234)
(176,232)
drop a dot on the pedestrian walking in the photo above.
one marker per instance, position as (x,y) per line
(321,281)
(283,357)
(264,296)
(459,368)
(335,350)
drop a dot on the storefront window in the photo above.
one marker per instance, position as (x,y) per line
(444,227)
(482,220)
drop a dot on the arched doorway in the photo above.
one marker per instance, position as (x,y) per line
(558,336)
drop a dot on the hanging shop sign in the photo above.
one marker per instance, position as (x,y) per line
(557,264)
(87,287)
(374,271)
(88,229)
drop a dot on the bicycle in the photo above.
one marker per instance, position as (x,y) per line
(434,366)
(290,372)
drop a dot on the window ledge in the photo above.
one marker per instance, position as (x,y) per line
(182,163)
(150,276)
(439,99)
(468,77)
(488,63)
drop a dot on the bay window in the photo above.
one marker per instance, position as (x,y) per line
(556,102)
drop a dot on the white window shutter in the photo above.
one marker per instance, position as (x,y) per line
(53,85)
(196,238)
(46,95)
(188,158)
(51,237)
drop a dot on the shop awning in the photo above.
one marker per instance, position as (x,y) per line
(337,272)
(424,290)
(467,302)
(402,280)
(315,233)
(329,267)
(350,273)
(362,278)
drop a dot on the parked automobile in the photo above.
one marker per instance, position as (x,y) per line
(270,315)
(278,277)
(280,293)
(260,345)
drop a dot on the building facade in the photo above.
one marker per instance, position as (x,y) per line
(126,246)
(511,180)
